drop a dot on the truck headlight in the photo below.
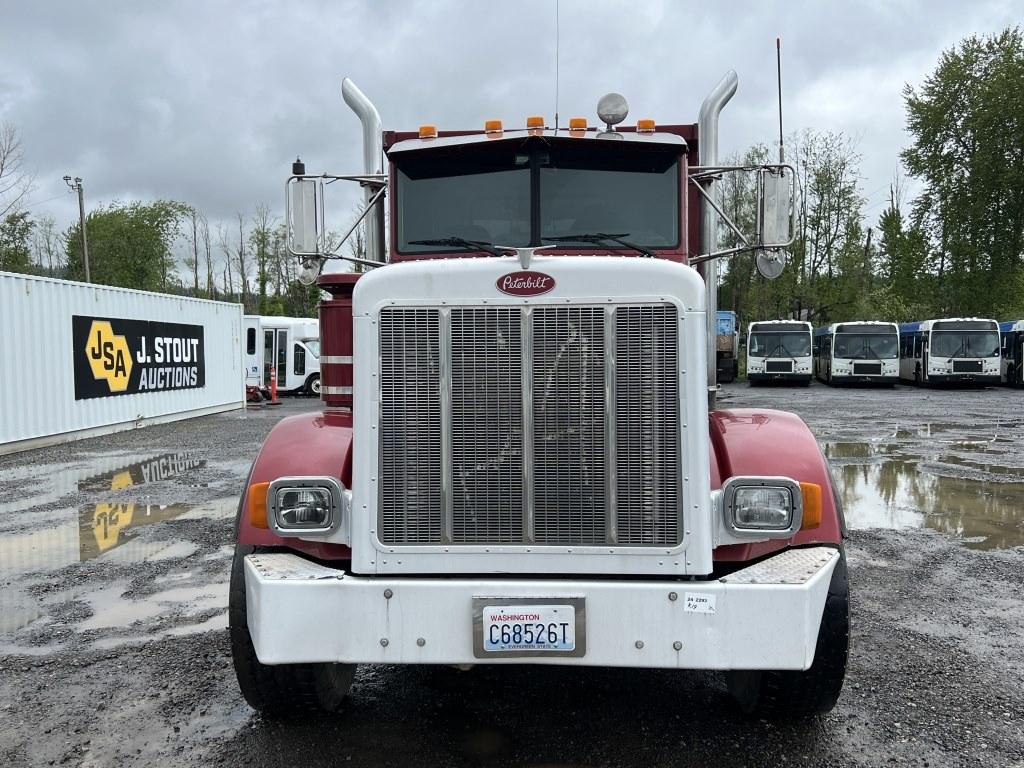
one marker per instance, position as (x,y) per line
(762,507)
(298,506)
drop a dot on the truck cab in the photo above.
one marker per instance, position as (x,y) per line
(518,459)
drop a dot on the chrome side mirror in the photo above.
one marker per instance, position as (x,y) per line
(776,208)
(303,217)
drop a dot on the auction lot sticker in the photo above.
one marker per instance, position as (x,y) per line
(115,356)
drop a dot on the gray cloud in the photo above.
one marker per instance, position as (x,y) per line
(208,102)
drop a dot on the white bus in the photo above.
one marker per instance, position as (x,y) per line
(953,350)
(861,351)
(291,344)
(779,350)
(1012,371)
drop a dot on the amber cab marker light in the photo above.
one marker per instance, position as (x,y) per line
(645,125)
(812,505)
(535,121)
(577,123)
(258,505)
(428,131)
(492,126)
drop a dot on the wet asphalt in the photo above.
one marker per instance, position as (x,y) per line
(114,557)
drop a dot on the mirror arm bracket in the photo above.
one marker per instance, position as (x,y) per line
(374,181)
(720,212)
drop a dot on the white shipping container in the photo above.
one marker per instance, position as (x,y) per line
(160,358)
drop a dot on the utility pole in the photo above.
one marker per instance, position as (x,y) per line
(77,185)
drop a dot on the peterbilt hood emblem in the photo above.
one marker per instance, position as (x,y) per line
(525,283)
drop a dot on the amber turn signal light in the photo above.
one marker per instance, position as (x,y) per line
(812,505)
(258,505)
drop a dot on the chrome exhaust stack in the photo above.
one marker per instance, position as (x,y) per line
(373,154)
(707,150)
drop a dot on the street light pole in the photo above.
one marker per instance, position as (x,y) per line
(81,221)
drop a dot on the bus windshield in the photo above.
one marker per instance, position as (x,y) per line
(866,346)
(965,344)
(785,344)
(313,345)
(519,194)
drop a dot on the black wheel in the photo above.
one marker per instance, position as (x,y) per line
(815,691)
(282,690)
(312,386)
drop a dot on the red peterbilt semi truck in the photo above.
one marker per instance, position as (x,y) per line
(520,459)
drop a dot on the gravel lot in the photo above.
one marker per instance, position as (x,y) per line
(114,557)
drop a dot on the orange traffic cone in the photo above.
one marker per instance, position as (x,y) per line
(273,386)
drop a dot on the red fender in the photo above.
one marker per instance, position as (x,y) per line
(749,441)
(315,444)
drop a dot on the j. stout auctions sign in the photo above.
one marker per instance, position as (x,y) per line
(128,357)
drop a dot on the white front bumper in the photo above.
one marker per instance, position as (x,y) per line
(764,617)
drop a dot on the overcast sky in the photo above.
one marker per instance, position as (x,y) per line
(208,102)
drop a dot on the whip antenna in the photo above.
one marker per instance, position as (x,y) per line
(556,65)
(778,65)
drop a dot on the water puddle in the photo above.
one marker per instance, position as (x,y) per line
(111,474)
(884,487)
(111,609)
(106,529)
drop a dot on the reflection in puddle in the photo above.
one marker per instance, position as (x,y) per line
(892,492)
(108,528)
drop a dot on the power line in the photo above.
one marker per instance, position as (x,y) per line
(34,203)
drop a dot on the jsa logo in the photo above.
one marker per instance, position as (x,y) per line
(109,356)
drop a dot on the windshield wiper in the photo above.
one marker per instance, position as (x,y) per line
(466,245)
(596,238)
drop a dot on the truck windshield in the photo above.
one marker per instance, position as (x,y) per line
(866,346)
(965,344)
(785,344)
(519,194)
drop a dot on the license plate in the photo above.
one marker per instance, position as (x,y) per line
(511,627)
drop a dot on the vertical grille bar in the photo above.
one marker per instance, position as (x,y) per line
(529,511)
(445,387)
(410,427)
(649,509)
(568,421)
(610,460)
(486,426)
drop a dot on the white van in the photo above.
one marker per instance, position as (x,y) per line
(292,344)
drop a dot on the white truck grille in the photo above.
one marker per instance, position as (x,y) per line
(549,425)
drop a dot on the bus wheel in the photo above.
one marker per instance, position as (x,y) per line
(312,386)
(815,691)
(279,691)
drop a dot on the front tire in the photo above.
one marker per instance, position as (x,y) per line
(812,692)
(279,691)
(312,387)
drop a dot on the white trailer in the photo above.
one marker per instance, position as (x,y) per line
(290,344)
